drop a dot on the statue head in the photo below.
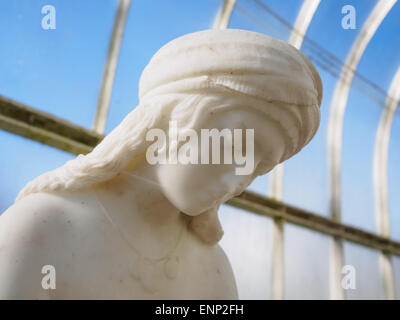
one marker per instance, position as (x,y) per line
(213,79)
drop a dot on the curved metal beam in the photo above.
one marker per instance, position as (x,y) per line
(339,101)
(335,133)
(381,157)
(303,20)
(381,152)
(224,14)
(110,68)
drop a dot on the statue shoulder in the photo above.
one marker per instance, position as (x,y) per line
(225,275)
(211,264)
(38,230)
(45,211)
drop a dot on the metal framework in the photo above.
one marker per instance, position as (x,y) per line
(381,157)
(303,20)
(224,14)
(381,181)
(103,102)
(335,132)
(43,127)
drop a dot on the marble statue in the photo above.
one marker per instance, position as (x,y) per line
(110,224)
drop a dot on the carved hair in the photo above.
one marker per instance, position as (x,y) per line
(128,140)
(112,155)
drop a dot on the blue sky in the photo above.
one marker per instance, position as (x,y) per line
(59,71)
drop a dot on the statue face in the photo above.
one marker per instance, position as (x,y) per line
(195,188)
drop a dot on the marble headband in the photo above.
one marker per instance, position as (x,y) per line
(244,62)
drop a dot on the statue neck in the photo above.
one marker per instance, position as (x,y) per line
(140,211)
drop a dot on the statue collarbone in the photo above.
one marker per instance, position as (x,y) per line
(148,268)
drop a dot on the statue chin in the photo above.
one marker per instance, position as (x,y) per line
(207,226)
(109,224)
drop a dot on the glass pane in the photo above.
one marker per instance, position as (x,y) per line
(327,45)
(306,264)
(366,265)
(396,270)
(24,160)
(260,185)
(150,25)
(246,242)
(394,178)
(269,17)
(361,122)
(56,70)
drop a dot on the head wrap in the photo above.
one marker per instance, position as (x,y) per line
(243,62)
